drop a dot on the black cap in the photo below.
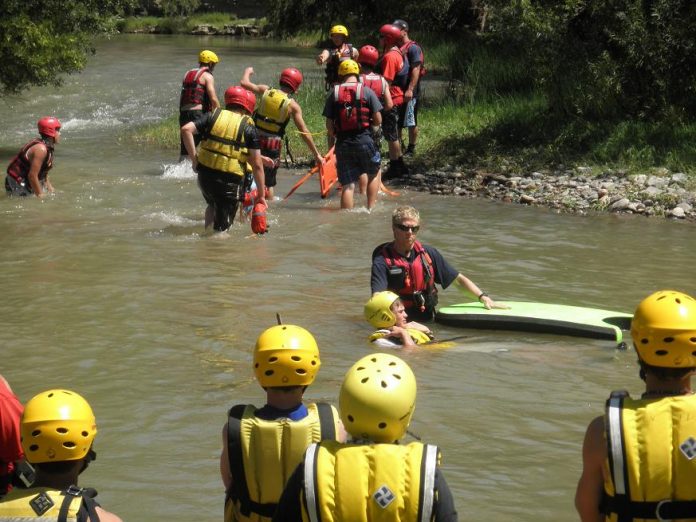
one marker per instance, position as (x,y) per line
(401,24)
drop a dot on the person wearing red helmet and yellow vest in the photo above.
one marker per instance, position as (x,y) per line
(374,476)
(198,93)
(639,458)
(229,144)
(262,446)
(276,108)
(27,173)
(57,431)
(351,110)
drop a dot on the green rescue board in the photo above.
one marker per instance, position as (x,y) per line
(577,321)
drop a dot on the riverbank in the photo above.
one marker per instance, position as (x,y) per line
(572,190)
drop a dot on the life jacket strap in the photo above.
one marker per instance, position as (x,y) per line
(667,509)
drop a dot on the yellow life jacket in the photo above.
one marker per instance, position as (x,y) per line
(417,336)
(651,458)
(224,149)
(375,482)
(264,453)
(273,112)
(41,505)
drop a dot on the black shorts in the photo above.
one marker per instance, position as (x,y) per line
(390,123)
(184,118)
(221,192)
(270,147)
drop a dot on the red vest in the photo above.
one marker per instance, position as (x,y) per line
(20,164)
(352,113)
(193,91)
(377,83)
(418,276)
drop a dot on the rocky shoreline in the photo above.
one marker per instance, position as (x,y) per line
(573,190)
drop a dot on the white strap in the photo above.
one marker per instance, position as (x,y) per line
(310,483)
(428,482)
(616,444)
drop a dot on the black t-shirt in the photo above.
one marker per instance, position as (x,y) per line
(290,510)
(445,274)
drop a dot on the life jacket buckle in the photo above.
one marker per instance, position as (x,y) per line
(659,506)
(73,491)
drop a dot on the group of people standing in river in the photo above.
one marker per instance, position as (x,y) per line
(296,460)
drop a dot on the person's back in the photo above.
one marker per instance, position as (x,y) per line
(262,446)
(57,430)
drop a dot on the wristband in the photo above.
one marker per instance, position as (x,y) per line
(482,294)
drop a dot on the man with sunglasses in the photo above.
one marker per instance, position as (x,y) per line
(411,270)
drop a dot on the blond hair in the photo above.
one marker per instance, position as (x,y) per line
(405,212)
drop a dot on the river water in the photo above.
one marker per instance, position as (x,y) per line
(112,288)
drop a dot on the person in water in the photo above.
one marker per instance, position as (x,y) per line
(638,458)
(385,311)
(262,446)
(198,93)
(411,270)
(57,430)
(229,144)
(27,173)
(275,110)
(373,476)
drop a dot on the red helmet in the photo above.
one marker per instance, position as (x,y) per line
(390,33)
(49,126)
(368,55)
(292,78)
(241,97)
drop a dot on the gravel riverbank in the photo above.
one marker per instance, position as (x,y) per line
(577,190)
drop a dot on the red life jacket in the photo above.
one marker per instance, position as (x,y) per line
(416,287)
(377,83)
(404,52)
(352,113)
(20,165)
(193,91)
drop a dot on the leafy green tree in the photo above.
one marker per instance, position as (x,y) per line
(42,39)
(179,7)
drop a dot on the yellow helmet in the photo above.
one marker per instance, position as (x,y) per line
(664,330)
(57,425)
(286,355)
(377,398)
(338,29)
(378,309)
(347,67)
(208,57)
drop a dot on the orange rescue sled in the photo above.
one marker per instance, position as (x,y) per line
(328,176)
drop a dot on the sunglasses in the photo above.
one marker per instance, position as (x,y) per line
(406,228)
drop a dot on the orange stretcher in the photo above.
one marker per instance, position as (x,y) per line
(328,176)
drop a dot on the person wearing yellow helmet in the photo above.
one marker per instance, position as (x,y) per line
(386,312)
(638,458)
(339,51)
(351,111)
(357,480)
(262,446)
(198,93)
(57,431)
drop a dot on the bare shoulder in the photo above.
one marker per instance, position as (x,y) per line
(594,444)
(106,516)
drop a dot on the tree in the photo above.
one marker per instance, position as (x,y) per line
(179,7)
(44,39)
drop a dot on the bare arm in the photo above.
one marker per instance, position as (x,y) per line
(36,155)
(246,82)
(376,118)
(323,56)
(330,129)
(466,284)
(589,491)
(256,163)
(210,89)
(401,333)
(296,112)
(106,516)
(225,472)
(414,75)
(187,132)
(388,103)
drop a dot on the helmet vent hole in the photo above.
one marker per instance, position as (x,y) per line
(668,339)
(85,434)
(50,394)
(296,358)
(256,365)
(644,341)
(268,373)
(69,444)
(272,359)
(382,425)
(396,376)
(693,339)
(313,363)
(36,433)
(301,371)
(661,352)
(384,384)
(34,447)
(62,430)
(364,380)
(350,418)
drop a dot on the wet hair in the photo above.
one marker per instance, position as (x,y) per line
(405,212)
(664,374)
